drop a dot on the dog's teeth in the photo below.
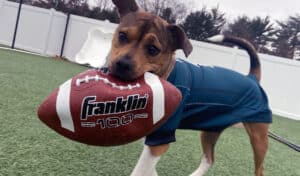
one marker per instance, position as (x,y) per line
(216,38)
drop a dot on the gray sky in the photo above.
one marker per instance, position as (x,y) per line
(276,9)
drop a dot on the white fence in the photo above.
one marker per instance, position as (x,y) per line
(42,30)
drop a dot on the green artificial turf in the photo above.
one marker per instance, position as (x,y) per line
(30,148)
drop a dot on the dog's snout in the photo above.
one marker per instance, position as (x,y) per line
(124,64)
(124,68)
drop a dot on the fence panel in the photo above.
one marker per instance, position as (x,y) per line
(33,29)
(77,33)
(8,15)
(56,33)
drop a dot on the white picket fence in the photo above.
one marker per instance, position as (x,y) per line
(42,31)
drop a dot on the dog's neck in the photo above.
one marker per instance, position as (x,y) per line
(166,71)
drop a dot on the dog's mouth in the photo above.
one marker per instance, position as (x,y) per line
(124,75)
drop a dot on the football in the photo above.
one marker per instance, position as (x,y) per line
(96,108)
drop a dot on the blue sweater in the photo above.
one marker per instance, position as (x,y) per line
(213,99)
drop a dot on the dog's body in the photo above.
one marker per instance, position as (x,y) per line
(213,98)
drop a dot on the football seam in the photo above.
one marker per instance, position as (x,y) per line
(97,78)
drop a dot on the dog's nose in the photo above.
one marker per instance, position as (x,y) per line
(124,68)
(124,65)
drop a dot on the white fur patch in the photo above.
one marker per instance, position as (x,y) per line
(203,168)
(146,164)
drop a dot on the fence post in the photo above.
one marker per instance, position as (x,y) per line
(17,24)
(65,35)
(51,13)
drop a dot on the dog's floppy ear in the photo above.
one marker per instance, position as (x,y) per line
(126,6)
(180,40)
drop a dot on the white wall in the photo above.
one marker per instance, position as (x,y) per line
(55,34)
(42,31)
(8,15)
(77,33)
(33,29)
(281,81)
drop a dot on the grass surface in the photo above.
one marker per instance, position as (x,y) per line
(29,148)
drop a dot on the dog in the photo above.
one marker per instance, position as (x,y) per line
(214,98)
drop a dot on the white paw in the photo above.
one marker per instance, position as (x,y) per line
(203,168)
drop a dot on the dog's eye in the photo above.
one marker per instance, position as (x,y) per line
(152,50)
(123,37)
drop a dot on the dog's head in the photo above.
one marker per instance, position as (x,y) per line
(143,42)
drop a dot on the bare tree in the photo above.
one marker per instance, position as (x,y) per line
(104,4)
(178,9)
(144,4)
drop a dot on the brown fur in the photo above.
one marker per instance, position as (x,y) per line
(144,29)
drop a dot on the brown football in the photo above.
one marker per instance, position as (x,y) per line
(96,108)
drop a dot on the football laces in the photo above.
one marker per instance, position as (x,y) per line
(98,78)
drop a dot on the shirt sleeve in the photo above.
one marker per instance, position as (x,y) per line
(166,132)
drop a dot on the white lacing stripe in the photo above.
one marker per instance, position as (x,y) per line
(63,106)
(97,78)
(158,96)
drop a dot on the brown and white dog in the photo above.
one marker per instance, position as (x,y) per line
(144,42)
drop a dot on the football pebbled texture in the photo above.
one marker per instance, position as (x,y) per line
(96,108)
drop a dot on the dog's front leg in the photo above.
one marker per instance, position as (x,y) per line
(208,141)
(148,160)
(203,168)
(146,164)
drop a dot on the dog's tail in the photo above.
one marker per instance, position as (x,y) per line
(255,68)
